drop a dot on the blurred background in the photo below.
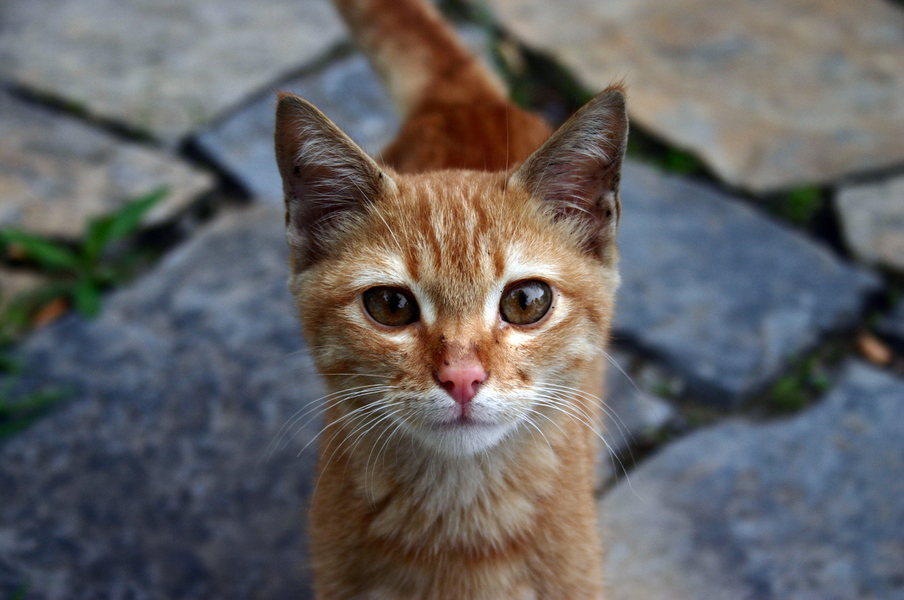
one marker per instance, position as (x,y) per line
(158,411)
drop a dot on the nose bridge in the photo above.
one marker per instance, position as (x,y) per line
(460,330)
(459,341)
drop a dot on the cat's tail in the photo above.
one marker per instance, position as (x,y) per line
(417,54)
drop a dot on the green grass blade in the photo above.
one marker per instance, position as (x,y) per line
(16,416)
(46,253)
(112,228)
(96,238)
(86,297)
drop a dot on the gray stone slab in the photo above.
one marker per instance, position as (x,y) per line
(632,414)
(769,96)
(167,66)
(800,509)
(347,91)
(722,293)
(152,480)
(872,219)
(56,173)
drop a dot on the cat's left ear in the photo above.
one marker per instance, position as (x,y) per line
(576,173)
(327,179)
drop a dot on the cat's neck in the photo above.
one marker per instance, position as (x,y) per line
(423,499)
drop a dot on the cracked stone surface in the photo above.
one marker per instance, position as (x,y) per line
(632,416)
(872,219)
(176,467)
(892,325)
(770,96)
(802,508)
(57,173)
(163,67)
(722,293)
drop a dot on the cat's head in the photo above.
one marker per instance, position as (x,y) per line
(453,307)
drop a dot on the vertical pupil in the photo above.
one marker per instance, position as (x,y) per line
(523,300)
(396,301)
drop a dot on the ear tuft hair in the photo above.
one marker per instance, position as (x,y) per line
(577,172)
(327,178)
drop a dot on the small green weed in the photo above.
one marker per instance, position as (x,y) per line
(801,205)
(20,592)
(808,379)
(649,148)
(81,271)
(16,415)
(684,163)
(788,394)
(17,412)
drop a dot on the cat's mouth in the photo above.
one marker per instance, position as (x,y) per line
(462,435)
(461,422)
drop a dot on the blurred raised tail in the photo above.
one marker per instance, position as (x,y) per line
(456,112)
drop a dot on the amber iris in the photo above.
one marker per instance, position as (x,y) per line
(391,306)
(525,302)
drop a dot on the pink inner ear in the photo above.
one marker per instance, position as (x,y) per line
(325,176)
(579,165)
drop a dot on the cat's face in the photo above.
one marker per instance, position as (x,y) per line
(455,269)
(454,308)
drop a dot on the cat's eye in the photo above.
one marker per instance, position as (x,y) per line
(391,306)
(525,302)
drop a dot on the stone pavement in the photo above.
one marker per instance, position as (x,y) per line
(873,219)
(59,172)
(166,67)
(177,466)
(770,96)
(806,507)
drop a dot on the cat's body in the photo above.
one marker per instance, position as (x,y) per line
(459,317)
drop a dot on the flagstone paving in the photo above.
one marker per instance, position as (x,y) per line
(798,509)
(721,292)
(176,465)
(872,219)
(769,95)
(155,479)
(57,173)
(164,67)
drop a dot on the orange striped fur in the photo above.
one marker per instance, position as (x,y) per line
(420,495)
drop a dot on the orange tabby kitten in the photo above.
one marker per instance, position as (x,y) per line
(457,298)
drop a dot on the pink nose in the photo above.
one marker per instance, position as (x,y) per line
(461,379)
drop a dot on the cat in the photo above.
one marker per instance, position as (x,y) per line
(457,298)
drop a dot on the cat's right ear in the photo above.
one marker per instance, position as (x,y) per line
(327,178)
(576,173)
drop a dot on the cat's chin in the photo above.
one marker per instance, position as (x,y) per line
(462,438)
